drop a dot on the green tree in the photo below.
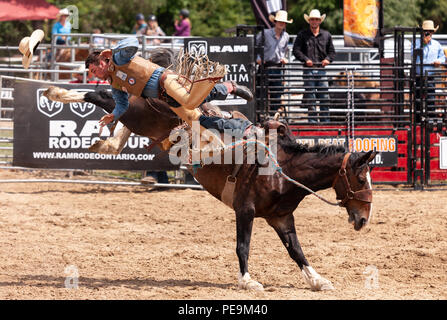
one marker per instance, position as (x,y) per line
(436,11)
(404,13)
(332,8)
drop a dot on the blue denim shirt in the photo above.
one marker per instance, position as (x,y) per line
(432,52)
(125,51)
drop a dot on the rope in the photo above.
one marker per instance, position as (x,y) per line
(278,167)
(351,109)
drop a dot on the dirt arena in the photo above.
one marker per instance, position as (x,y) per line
(134,243)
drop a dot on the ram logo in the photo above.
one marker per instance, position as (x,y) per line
(198,48)
(82,109)
(47,107)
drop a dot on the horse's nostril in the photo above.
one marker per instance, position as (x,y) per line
(363,221)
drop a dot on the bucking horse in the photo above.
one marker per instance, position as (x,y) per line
(272,197)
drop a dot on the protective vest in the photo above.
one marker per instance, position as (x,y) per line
(133,75)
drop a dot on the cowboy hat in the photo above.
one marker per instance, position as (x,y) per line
(429,25)
(281,16)
(314,14)
(63,12)
(28,45)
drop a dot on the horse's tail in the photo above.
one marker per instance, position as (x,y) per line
(100,98)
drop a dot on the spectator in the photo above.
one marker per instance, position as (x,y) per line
(140,26)
(432,57)
(314,47)
(183,27)
(153,29)
(98,41)
(276,40)
(62,25)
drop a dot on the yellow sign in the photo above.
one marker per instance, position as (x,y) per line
(360,22)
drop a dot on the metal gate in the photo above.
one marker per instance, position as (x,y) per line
(378,100)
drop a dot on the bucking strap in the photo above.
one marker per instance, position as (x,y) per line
(227,195)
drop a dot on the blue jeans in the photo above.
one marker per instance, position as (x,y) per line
(238,126)
(317,87)
(152,87)
(219,92)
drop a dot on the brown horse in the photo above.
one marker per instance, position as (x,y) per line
(272,197)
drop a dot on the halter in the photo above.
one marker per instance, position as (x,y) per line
(361,195)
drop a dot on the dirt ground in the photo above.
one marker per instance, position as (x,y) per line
(134,243)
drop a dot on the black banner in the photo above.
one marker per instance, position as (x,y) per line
(263,8)
(238,57)
(49,134)
(386,146)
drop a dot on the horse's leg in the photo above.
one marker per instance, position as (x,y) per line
(244,225)
(285,228)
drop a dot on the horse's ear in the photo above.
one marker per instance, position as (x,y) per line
(365,158)
(282,129)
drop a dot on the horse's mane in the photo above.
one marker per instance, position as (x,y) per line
(291,146)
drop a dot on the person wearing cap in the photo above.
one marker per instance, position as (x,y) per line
(140,26)
(183,27)
(153,29)
(276,41)
(432,57)
(62,25)
(314,47)
(28,46)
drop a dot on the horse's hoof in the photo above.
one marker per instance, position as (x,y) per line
(247,283)
(316,282)
(322,284)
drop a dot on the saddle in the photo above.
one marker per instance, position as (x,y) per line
(206,109)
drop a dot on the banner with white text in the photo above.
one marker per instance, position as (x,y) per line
(49,134)
(237,55)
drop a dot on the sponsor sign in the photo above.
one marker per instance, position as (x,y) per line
(443,153)
(386,146)
(49,134)
(237,55)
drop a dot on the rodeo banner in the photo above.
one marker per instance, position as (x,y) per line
(50,134)
(238,57)
(386,146)
(361,22)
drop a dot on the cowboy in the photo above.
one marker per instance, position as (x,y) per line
(28,46)
(433,53)
(313,46)
(129,73)
(276,41)
(432,57)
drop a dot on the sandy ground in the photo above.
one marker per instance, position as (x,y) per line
(133,243)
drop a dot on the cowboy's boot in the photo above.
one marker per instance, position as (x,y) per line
(241,91)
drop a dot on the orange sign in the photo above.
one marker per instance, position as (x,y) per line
(360,22)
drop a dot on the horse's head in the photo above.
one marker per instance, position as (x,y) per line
(353,187)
